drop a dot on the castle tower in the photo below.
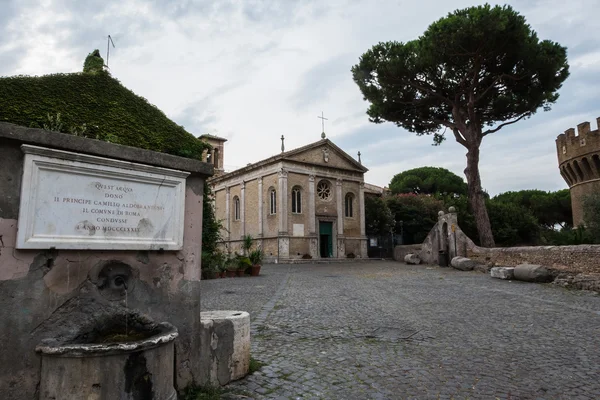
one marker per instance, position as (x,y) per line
(215,156)
(579,164)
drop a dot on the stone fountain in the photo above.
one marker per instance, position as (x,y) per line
(100,248)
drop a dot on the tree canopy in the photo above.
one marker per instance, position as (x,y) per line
(550,208)
(428,180)
(472,72)
(378,217)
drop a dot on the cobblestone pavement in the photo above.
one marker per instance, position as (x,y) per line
(384,330)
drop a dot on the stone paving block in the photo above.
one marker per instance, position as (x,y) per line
(503,272)
(463,351)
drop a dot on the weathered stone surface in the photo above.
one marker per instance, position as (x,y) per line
(532,273)
(412,258)
(376,331)
(225,346)
(115,205)
(579,281)
(503,272)
(463,263)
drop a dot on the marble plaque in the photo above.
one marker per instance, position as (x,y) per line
(76,201)
(298,230)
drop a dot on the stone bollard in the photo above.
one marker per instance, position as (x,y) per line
(412,258)
(533,273)
(503,272)
(225,347)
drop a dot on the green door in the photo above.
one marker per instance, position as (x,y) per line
(326,239)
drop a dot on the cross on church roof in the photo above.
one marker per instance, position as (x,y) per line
(323,119)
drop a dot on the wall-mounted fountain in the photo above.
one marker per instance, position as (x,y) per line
(100,250)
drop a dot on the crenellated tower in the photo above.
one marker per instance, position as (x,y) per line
(579,164)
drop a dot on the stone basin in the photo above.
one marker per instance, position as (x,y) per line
(107,365)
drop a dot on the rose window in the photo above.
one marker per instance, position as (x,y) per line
(324,190)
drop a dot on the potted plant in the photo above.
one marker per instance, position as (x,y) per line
(243,264)
(256,257)
(231,267)
(247,244)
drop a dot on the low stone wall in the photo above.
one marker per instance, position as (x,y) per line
(401,251)
(581,259)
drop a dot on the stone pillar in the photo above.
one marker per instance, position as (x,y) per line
(363,238)
(340,206)
(228,213)
(282,200)
(260,206)
(361,200)
(340,251)
(242,207)
(311,205)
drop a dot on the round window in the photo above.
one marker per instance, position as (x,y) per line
(324,190)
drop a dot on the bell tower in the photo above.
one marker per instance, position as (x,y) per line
(216,155)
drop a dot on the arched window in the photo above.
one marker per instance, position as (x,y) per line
(236,208)
(272,201)
(296,200)
(216,158)
(349,204)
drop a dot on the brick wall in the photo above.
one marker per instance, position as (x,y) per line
(575,259)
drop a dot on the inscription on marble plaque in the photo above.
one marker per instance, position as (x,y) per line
(76,201)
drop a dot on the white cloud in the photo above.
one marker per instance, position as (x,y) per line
(252,71)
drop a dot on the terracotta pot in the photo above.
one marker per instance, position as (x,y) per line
(231,273)
(255,270)
(240,272)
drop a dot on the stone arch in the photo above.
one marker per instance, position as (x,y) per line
(578,171)
(563,172)
(596,163)
(216,158)
(571,173)
(587,169)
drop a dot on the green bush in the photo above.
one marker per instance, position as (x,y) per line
(108,111)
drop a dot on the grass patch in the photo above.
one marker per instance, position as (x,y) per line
(202,393)
(255,365)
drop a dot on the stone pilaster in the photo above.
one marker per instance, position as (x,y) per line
(228,212)
(243,207)
(363,238)
(312,219)
(340,206)
(260,206)
(282,200)
(361,201)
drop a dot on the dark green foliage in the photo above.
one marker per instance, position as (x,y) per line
(378,217)
(93,63)
(107,109)
(487,61)
(211,227)
(550,208)
(513,224)
(428,180)
(416,213)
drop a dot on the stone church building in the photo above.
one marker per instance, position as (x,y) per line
(306,201)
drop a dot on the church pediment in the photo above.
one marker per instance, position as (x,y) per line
(325,153)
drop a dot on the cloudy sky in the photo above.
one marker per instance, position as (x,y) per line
(253,70)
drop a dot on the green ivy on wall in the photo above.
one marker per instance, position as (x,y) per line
(97,106)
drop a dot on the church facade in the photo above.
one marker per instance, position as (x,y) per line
(305,202)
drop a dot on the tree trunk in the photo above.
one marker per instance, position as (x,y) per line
(477,199)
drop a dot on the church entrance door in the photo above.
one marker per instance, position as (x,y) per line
(326,239)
